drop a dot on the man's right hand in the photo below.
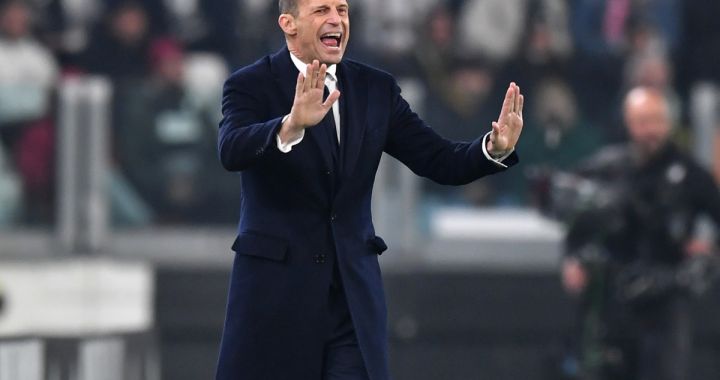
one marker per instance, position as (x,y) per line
(308,107)
(574,277)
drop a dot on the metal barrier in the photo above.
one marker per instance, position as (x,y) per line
(22,360)
(121,357)
(83,212)
(78,320)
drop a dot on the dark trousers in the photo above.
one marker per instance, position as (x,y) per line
(665,341)
(342,357)
(655,341)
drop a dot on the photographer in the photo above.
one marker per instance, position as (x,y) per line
(629,254)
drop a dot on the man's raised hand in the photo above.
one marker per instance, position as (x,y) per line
(506,131)
(308,107)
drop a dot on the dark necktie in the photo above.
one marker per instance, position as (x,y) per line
(331,132)
(329,122)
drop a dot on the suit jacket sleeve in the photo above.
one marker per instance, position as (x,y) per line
(245,137)
(427,154)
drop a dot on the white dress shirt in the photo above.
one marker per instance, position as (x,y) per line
(331,84)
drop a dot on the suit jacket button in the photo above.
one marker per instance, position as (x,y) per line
(259,151)
(333,217)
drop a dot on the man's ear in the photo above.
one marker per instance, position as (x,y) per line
(287,24)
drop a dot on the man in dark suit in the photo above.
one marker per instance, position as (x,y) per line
(306,296)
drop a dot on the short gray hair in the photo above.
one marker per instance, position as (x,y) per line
(288,6)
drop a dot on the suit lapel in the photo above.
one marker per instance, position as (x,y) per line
(286,74)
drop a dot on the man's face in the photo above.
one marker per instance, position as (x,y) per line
(647,119)
(130,25)
(322,30)
(15,21)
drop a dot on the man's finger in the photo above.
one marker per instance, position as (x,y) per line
(316,73)
(507,103)
(495,132)
(331,99)
(312,76)
(300,84)
(308,78)
(522,104)
(321,76)
(517,100)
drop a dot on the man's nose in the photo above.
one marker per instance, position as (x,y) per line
(334,17)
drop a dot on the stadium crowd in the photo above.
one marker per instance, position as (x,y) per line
(167,60)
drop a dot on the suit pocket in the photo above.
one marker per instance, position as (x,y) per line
(377,244)
(252,244)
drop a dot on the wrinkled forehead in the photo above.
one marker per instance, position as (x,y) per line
(309,4)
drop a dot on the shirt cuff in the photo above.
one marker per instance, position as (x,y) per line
(496,160)
(287,147)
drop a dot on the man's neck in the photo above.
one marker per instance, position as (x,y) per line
(302,66)
(642,157)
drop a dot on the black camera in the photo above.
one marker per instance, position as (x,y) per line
(601,211)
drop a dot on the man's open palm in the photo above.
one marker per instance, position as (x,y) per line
(308,107)
(506,130)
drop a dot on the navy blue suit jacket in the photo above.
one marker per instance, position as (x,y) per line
(297,215)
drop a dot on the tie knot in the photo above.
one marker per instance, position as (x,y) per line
(329,78)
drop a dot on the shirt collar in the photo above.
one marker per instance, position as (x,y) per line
(302,67)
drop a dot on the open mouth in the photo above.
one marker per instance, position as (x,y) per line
(331,40)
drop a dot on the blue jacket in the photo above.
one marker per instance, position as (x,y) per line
(297,216)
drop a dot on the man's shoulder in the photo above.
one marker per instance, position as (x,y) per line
(260,69)
(370,72)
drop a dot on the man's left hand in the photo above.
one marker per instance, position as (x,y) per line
(506,131)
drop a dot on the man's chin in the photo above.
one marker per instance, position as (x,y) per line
(331,59)
(330,56)
(651,148)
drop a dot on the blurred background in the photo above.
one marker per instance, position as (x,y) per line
(116,218)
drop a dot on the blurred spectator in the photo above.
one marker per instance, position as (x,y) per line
(599,31)
(27,76)
(556,138)
(68,26)
(611,27)
(27,71)
(701,43)
(435,58)
(390,25)
(653,69)
(656,21)
(120,47)
(549,38)
(459,110)
(257,36)
(206,25)
(491,28)
(166,147)
(606,32)
(464,101)
(547,47)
